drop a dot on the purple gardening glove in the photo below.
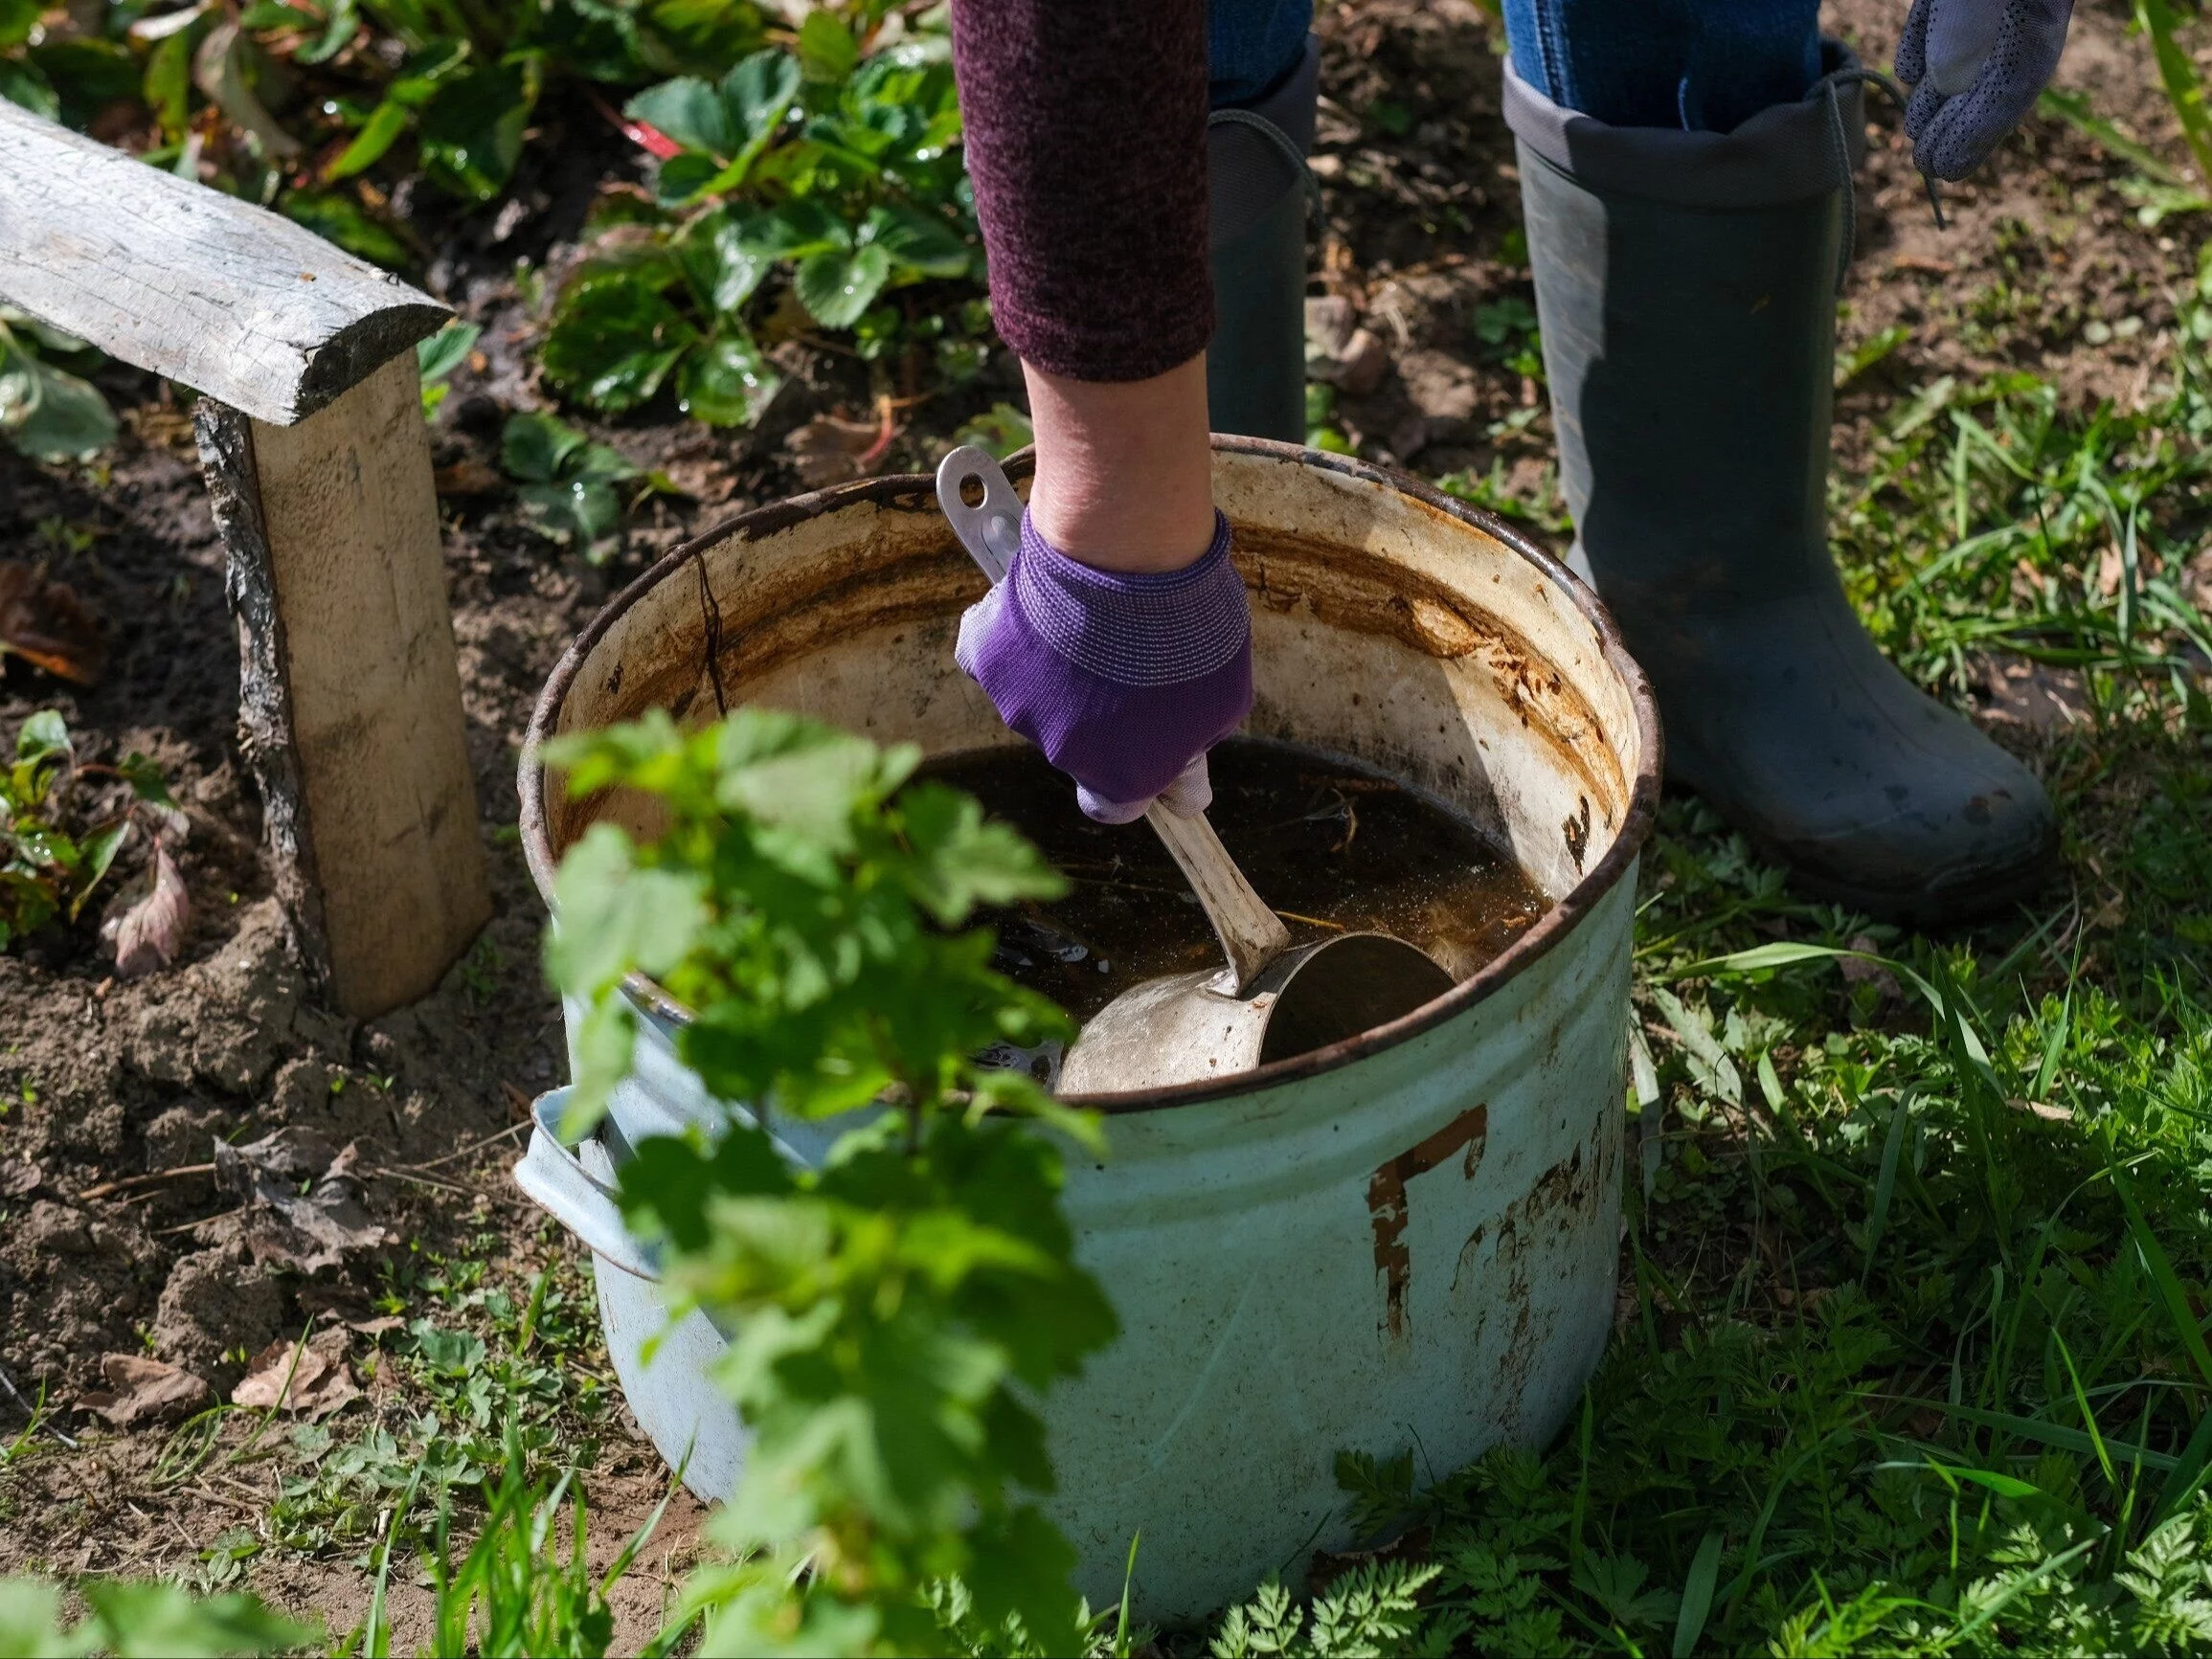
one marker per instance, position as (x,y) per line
(1124,681)
(1975,67)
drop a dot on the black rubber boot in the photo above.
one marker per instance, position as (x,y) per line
(1685,285)
(1255,368)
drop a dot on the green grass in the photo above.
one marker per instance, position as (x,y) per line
(1919,1238)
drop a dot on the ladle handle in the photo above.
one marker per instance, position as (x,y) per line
(1251,935)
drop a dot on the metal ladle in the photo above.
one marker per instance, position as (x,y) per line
(1271,1001)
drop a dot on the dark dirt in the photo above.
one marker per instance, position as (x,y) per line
(101,1082)
(1332,851)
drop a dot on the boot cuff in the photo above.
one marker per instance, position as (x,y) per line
(1249,168)
(1785,153)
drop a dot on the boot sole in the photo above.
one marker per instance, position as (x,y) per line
(1919,908)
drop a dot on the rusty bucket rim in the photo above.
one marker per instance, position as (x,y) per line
(1565,914)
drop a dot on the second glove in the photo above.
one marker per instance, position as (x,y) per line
(1125,681)
(1976,67)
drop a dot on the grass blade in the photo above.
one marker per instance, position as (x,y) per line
(2183,89)
(2170,1290)
(1698,1595)
(1885,1184)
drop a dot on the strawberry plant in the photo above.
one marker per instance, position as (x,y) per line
(294,102)
(809,185)
(46,412)
(566,481)
(45,868)
(896,1310)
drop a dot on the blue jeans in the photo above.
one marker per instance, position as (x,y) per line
(1704,66)
(1252,45)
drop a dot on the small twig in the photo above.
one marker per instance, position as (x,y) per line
(1312,921)
(127,1182)
(188,1226)
(36,1413)
(445,1187)
(513,1128)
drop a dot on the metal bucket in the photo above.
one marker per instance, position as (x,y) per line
(1409,1238)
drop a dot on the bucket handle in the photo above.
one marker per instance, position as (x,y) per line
(555,1176)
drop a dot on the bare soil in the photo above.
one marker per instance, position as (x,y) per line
(103,1081)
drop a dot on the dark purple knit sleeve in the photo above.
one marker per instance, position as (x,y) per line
(1086,139)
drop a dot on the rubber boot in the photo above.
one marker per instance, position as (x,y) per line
(1685,287)
(1256,373)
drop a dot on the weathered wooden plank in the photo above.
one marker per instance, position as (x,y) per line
(224,297)
(350,695)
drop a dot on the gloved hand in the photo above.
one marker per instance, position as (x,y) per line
(1975,67)
(1124,681)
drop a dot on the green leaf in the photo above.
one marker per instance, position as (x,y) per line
(614,916)
(614,340)
(601,1052)
(30,1609)
(166,86)
(757,94)
(378,134)
(582,510)
(668,1185)
(426,70)
(794,231)
(682,177)
(88,75)
(828,51)
(919,241)
(160,1619)
(722,260)
(145,779)
(337,216)
(689,111)
(343,22)
(472,130)
(48,414)
(1698,1594)
(21,83)
(837,287)
(44,740)
(727,382)
(535,447)
(1019,1566)
(446,350)
(99,850)
(960,861)
(18,18)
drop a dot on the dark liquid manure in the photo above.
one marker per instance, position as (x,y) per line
(1331,848)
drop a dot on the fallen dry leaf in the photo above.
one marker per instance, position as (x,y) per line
(47,625)
(706,478)
(468,477)
(143,1390)
(309,1377)
(2042,699)
(829,450)
(147,936)
(310,1230)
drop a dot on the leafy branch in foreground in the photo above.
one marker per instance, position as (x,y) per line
(890,1309)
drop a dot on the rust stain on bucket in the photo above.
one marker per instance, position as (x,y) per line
(1386,1202)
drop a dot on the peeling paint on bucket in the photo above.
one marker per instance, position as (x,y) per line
(1407,1238)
